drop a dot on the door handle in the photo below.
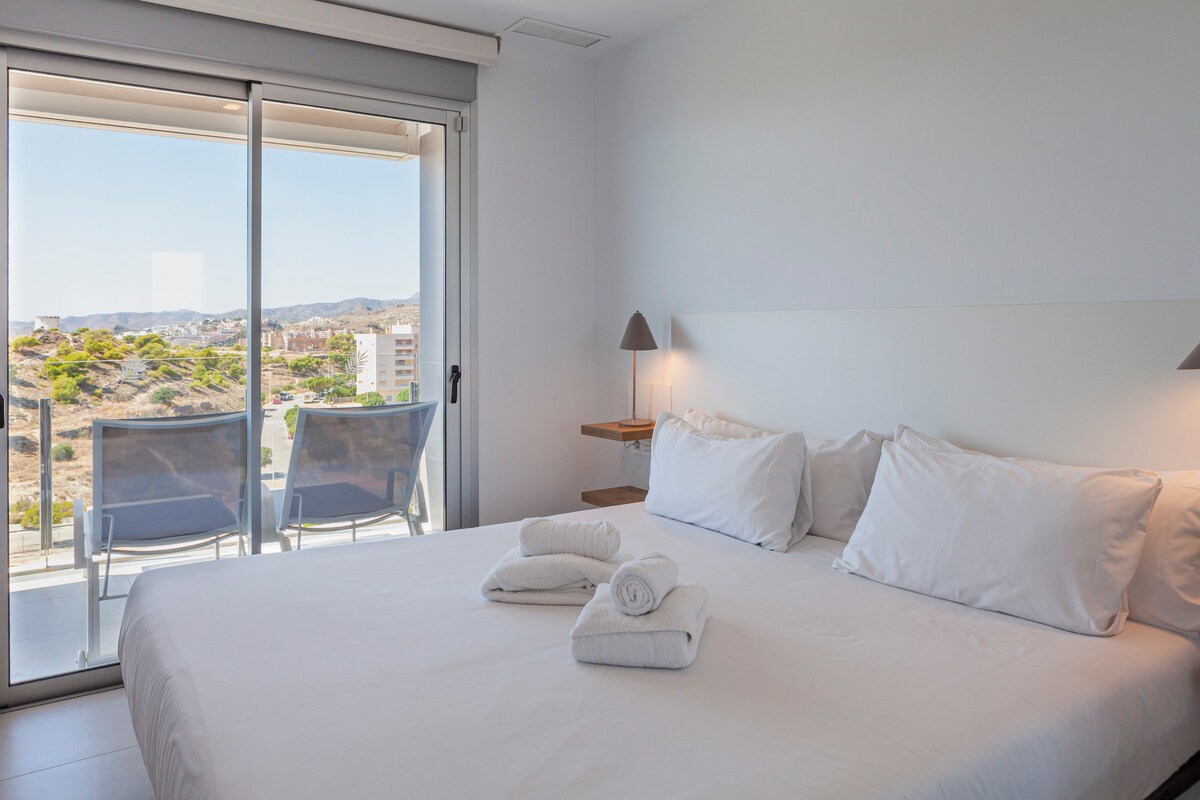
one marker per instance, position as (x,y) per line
(455,377)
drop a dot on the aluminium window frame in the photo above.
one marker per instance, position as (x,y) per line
(91,61)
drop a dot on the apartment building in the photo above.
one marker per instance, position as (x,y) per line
(388,361)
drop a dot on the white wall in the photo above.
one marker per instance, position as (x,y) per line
(536,280)
(772,155)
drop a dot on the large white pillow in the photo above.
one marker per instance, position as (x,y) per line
(842,473)
(1166,587)
(1165,590)
(715,426)
(1053,544)
(745,488)
(838,483)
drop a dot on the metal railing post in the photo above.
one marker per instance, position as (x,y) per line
(46,490)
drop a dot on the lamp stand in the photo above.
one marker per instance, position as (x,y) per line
(633,421)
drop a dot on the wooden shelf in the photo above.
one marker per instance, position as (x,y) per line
(617,433)
(616,496)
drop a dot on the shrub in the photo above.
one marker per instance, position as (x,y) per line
(266,456)
(59,512)
(65,389)
(166,371)
(16,511)
(63,451)
(24,342)
(162,396)
(67,361)
(371,399)
(402,396)
(289,419)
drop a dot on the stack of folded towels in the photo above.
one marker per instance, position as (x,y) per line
(642,618)
(557,563)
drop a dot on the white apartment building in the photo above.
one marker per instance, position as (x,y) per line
(388,361)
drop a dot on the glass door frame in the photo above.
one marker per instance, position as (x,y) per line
(459,419)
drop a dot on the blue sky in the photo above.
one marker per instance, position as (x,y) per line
(106,221)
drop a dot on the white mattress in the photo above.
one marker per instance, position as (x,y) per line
(377,670)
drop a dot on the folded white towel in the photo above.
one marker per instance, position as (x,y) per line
(667,639)
(545,537)
(562,579)
(638,586)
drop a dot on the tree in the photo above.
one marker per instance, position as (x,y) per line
(163,396)
(65,389)
(370,399)
(289,419)
(342,343)
(318,383)
(305,365)
(265,456)
(63,451)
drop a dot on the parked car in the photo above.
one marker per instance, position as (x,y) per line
(276,400)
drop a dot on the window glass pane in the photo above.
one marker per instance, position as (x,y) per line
(353,270)
(126,301)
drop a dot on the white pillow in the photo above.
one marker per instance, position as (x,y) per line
(1166,587)
(715,426)
(1165,590)
(838,479)
(842,473)
(745,488)
(1048,543)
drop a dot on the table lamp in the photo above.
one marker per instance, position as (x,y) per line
(1191,362)
(638,337)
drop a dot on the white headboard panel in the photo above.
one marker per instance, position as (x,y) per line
(1083,383)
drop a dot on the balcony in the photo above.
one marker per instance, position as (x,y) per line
(48,600)
(51,458)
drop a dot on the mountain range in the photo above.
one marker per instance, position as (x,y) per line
(141,320)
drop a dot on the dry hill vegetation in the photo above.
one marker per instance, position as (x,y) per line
(98,374)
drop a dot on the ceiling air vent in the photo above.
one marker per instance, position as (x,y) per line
(555,33)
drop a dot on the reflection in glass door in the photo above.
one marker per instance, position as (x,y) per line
(126,290)
(353,319)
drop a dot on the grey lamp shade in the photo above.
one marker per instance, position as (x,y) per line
(638,336)
(1191,362)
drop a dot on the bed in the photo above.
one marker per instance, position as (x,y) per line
(378,670)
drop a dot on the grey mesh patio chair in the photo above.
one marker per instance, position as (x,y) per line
(355,466)
(159,486)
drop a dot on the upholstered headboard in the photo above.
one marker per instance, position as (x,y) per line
(1083,383)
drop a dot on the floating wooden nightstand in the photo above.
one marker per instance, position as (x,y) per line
(618,432)
(615,432)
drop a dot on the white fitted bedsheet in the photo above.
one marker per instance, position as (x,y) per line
(377,670)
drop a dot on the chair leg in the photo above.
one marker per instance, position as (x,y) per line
(353,531)
(107,569)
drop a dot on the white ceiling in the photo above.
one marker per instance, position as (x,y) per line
(623,20)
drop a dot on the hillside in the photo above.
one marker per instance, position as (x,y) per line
(144,320)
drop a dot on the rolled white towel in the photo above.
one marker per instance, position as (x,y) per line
(562,579)
(547,537)
(639,586)
(666,639)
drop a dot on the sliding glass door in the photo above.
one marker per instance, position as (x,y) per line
(353,286)
(197,271)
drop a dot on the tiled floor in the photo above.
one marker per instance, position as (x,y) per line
(72,749)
